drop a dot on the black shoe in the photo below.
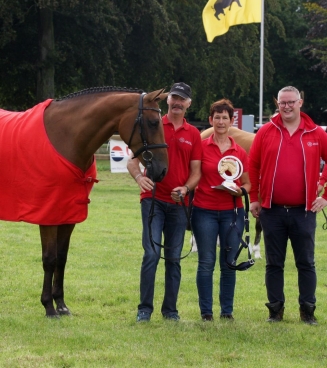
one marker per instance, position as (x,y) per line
(276,311)
(207,317)
(143,316)
(307,313)
(226,316)
(172,317)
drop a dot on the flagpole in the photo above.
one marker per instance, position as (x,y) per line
(262,38)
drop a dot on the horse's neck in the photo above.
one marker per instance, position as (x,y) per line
(242,138)
(78,127)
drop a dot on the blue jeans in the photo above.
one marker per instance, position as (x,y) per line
(280,224)
(169,220)
(207,225)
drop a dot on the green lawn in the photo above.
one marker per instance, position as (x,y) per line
(101,289)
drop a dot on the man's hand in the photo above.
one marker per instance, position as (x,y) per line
(144,183)
(318,204)
(174,193)
(255,209)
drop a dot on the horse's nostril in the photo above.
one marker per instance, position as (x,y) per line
(162,175)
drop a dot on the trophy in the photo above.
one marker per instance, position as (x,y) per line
(230,168)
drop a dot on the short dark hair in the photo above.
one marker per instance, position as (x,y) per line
(221,106)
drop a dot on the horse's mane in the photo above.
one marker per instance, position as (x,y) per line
(100,90)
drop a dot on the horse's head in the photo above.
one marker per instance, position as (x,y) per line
(227,165)
(222,168)
(145,137)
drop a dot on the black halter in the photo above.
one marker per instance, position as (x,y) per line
(147,155)
(244,244)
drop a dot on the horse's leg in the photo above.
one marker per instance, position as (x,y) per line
(257,238)
(63,239)
(258,231)
(49,257)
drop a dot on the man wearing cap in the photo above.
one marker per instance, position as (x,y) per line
(168,217)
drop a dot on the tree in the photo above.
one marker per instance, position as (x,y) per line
(291,65)
(317,35)
(84,48)
(150,44)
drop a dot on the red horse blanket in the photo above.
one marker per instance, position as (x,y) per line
(37,184)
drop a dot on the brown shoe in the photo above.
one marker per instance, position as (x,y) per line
(307,313)
(227,316)
(276,311)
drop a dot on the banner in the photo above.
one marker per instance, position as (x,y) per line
(219,15)
(119,153)
(238,113)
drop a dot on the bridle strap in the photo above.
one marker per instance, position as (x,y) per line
(145,149)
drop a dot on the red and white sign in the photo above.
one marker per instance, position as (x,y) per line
(238,118)
(119,154)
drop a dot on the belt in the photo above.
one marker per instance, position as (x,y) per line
(286,206)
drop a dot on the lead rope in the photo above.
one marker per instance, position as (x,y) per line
(150,218)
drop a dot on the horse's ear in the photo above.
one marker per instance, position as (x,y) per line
(163,96)
(156,95)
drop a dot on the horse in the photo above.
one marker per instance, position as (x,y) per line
(71,129)
(244,139)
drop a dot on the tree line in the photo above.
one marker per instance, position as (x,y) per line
(49,48)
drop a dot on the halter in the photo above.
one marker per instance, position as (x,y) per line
(147,155)
(244,244)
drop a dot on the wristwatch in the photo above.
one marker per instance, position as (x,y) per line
(188,189)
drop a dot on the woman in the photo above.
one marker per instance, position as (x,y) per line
(214,211)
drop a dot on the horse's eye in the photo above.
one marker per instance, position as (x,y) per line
(153,123)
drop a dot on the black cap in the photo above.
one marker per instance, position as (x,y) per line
(181,89)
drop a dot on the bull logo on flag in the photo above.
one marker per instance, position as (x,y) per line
(220,5)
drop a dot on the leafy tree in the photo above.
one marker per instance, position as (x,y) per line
(291,66)
(53,47)
(85,50)
(317,34)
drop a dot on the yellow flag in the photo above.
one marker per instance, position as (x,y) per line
(219,15)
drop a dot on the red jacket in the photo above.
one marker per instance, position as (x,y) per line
(264,154)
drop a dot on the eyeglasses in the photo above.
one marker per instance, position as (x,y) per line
(289,103)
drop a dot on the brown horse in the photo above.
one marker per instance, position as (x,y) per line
(74,127)
(244,139)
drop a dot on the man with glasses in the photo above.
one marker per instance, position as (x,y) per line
(284,171)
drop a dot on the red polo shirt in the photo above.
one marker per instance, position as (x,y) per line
(208,197)
(184,145)
(290,170)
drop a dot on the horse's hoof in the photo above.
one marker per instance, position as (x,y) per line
(52,316)
(63,311)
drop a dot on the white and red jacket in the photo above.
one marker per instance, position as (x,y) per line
(264,155)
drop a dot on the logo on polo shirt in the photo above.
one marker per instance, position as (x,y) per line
(310,144)
(183,140)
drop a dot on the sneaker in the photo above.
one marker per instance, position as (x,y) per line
(227,316)
(276,311)
(307,313)
(172,317)
(207,317)
(143,316)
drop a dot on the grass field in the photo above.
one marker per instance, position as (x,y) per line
(101,289)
